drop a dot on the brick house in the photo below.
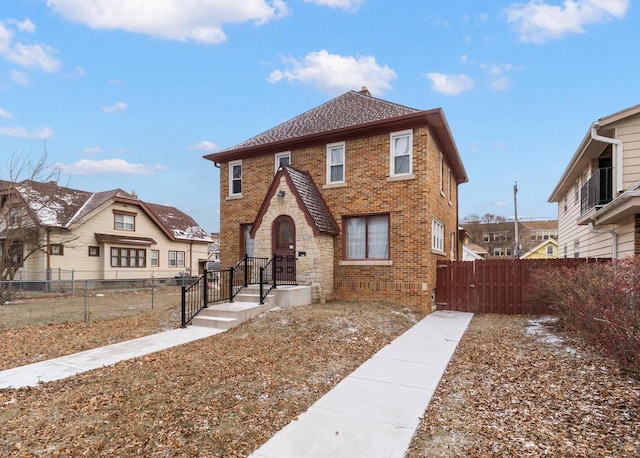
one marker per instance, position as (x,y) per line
(362,192)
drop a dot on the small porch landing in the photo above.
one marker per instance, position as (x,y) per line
(246,305)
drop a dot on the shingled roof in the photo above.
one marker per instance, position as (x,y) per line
(349,116)
(58,206)
(309,200)
(347,110)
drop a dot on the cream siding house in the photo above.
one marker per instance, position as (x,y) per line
(598,195)
(106,235)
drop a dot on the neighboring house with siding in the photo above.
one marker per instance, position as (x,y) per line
(547,249)
(362,192)
(598,195)
(104,235)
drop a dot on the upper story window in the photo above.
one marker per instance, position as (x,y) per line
(401,152)
(437,235)
(235,178)
(549,250)
(14,217)
(366,237)
(124,221)
(283,159)
(335,162)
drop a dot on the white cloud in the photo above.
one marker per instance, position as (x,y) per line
(193,20)
(4,114)
(204,145)
(450,84)
(347,5)
(27,26)
(91,167)
(333,73)
(538,22)
(26,55)
(116,107)
(20,78)
(43,133)
(497,78)
(92,150)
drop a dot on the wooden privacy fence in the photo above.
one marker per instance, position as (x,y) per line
(493,286)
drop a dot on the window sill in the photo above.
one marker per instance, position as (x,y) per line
(438,252)
(234,197)
(364,262)
(409,176)
(342,184)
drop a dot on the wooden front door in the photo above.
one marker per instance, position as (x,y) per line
(283,239)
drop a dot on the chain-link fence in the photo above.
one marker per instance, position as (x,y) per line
(41,302)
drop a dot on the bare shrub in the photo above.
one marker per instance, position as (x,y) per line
(600,301)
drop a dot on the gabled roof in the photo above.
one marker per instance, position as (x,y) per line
(52,205)
(309,200)
(538,246)
(351,115)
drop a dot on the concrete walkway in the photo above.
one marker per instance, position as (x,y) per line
(66,366)
(372,413)
(375,411)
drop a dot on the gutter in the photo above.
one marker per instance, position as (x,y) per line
(619,152)
(614,239)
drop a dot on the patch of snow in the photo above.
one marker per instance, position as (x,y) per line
(540,328)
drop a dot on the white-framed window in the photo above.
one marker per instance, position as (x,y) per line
(176,258)
(335,162)
(576,191)
(366,237)
(14,217)
(449,184)
(549,250)
(235,178)
(576,248)
(155,258)
(437,235)
(401,153)
(124,221)
(283,159)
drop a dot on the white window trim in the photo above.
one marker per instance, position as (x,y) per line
(442,174)
(279,156)
(392,136)
(231,164)
(329,164)
(437,236)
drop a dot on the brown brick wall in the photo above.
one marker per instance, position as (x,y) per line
(410,204)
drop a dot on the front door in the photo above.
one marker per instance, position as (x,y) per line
(284,247)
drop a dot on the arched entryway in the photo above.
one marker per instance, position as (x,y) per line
(283,239)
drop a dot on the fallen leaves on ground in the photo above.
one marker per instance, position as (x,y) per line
(221,396)
(514,389)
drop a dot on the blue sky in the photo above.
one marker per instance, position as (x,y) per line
(131,95)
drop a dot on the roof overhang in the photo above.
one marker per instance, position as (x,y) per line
(435,119)
(124,239)
(616,211)
(588,150)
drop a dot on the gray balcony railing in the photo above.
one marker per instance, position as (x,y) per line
(597,191)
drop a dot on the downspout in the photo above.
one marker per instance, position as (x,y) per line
(619,152)
(614,239)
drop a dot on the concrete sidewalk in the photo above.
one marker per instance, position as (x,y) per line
(375,411)
(372,413)
(66,366)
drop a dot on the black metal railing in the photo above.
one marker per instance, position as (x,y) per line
(223,285)
(597,191)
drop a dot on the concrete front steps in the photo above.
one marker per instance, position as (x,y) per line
(246,305)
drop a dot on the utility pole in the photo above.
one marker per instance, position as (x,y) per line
(516,251)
